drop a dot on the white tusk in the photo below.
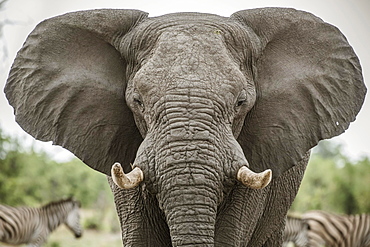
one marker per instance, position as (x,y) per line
(254,180)
(129,180)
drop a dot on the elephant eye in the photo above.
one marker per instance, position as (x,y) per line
(240,102)
(242,98)
(138,101)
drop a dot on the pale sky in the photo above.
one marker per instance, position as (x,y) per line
(351,17)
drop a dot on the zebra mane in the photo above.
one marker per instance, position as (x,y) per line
(294,216)
(62,201)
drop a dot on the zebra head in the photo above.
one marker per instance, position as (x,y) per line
(73,219)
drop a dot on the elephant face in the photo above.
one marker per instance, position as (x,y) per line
(181,59)
(172,89)
(196,102)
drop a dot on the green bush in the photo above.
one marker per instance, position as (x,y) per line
(53,244)
(32,178)
(333,182)
(92,223)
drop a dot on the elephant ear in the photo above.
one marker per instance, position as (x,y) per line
(67,85)
(309,87)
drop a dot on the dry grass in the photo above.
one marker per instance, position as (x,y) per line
(62,237)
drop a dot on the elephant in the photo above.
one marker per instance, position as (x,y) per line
(203,124)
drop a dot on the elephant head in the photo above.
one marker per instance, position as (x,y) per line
(204,107)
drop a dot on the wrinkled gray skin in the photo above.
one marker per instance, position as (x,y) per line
(190,98)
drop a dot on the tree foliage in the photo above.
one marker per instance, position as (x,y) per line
(333,182)
(31,178)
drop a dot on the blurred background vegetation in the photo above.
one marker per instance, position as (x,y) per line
(333,182)
(28,177)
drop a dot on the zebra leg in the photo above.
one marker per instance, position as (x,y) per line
(1,234)
(37,243)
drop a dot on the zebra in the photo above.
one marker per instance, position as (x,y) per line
(295,231)
(328,229)
(26,225)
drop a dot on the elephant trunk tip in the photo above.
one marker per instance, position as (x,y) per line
(254,180)
(129,180)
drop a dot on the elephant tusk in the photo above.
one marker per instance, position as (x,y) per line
(129,180)
(254,180)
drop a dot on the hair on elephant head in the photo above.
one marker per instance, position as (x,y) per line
(216,114)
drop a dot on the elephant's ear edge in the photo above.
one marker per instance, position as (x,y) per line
(67,85)
(309,87)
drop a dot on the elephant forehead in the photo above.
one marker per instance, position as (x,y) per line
(192,38)
(195,56)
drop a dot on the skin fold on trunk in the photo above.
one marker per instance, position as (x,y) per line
(190,205)
(189,172)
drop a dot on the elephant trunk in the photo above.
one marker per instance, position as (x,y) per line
(189,200)
(189,181)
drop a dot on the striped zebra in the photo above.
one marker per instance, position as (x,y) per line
(327,229)
(26,225)
(295,231)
